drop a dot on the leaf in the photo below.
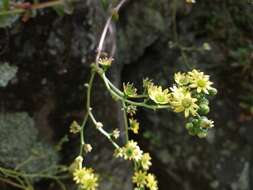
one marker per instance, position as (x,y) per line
(6,4)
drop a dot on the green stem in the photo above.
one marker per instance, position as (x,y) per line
(140,104)
(87,111)
(101,130)
(12,183)
(125,121)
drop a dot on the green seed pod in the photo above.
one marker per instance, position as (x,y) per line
(203,109)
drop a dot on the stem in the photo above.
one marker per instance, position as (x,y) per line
(12,183)
(87,111)
(140,104)
(101,130)
(125,121)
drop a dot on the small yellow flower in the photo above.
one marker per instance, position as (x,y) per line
(131,110)
(139,178)
(115,133)
(87,148)
(181,79)
(86,178)
(183,102)
(131,151)
(119,152)
(151,182)
(105,61)
(158,95)
(200,81)
(75,127)
(90,183)
(145,161)
(129,90)
(134,125)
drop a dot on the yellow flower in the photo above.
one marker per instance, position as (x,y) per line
(75,127)
(145,161)
(151,182)
(90,183)
(134,125)
(158,95)
(86,178)
(200,81)
(139,178)
(183,102)
(132,151)
(129,90)
(105,61)
(115,133)
(87,148)
(181,79)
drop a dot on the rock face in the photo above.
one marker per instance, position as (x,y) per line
(53,54)
(20,147)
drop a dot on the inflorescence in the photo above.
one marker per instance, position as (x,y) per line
(188,95)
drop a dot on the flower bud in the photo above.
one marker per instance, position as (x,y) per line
(99,125)
(202,134)
(205,123)
(213,91)
(203,109)
(189,126)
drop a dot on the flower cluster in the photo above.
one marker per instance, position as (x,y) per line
(188,95)
(105,62)
(141,177)
(84,177)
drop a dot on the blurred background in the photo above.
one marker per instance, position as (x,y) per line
(44,63)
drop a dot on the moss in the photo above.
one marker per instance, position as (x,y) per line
(7,73)
(20,146)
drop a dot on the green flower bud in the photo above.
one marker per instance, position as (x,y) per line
(213,91)
(204,100)
(202,134)
(189,126)
(203,109)
(129,90)
(196,122)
